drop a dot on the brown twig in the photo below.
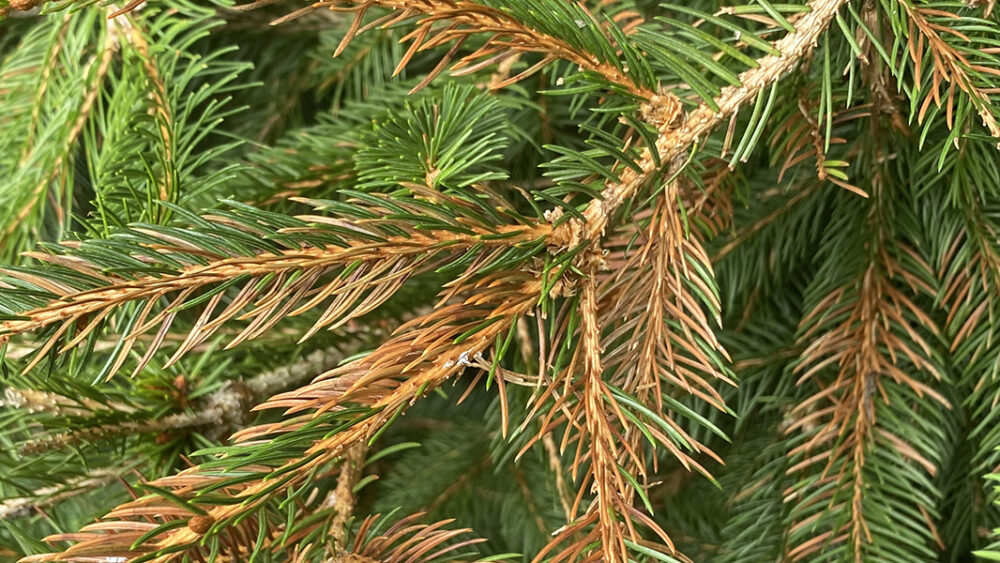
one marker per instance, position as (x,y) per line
(343,497)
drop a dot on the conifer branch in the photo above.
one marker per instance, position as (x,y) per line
(840,419)
(803,139)
(868,330)
(605,309)
(507,38)
(43,170)
(746,233)
(663,342)
(675,139)
(222,410)
(949,66)
(609,488)
(960,280)
(613,495)
(424,354)
(598,422)
(377,262)
(161,107)
(215,415)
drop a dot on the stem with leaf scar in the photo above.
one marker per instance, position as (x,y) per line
(673,140)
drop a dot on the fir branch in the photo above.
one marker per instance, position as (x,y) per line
(869,331)
(161,108)
(840,434)
(53,81)
(613,494)
(661,341)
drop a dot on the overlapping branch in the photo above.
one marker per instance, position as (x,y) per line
(364,395)
(441,344)
(672,142)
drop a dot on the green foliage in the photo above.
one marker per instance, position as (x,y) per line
(447,142)
(50,81)
(174,125)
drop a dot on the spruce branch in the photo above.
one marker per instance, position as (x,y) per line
(613,494)
(19,6)
(674,140)
(803,139)
(968,269)
(425,353)
(746,233)
(360,267)
(662,342)
(949,65)
(441,22)
(840,419)
(161,107)
(646,333)
(102,61)
(598,321)
(866,335)
(53,80)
